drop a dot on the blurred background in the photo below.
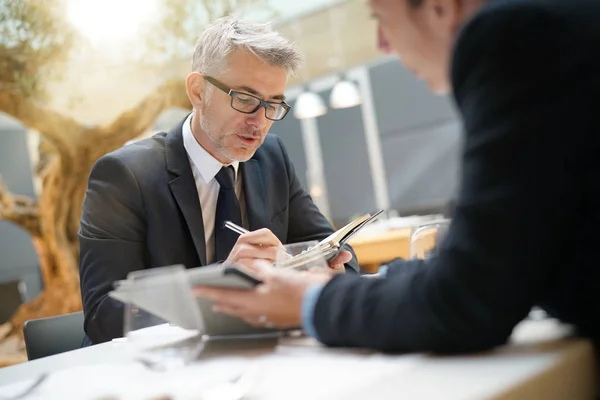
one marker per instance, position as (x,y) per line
(79,78)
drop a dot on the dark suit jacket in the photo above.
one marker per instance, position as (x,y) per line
(525,229)
(141,210)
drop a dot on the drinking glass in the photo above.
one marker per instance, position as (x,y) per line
(162,321)
(425,239)
(288,251)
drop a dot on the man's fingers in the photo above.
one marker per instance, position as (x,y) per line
(209,292)
(226,297)
(337,268)
(229,310)
(261,268)
(249,251)
(262,237)
(253,321)
(342,258)
(249,263)
(239,312)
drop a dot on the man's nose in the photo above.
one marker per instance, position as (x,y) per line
(258,119)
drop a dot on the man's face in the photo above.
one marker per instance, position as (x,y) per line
(421,36)
(233,134)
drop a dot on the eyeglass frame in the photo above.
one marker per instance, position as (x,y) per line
(262,103)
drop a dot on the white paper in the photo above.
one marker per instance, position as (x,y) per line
(166,296)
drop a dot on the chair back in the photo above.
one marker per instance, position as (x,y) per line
(12,295)
(53,335)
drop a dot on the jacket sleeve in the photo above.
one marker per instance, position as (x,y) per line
(111,239)
(518,81)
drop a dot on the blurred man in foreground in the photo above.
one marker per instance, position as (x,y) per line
(524,76)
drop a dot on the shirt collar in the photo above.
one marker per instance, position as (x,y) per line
(207,165)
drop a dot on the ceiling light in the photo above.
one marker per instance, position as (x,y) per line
(344,94)
(309,105)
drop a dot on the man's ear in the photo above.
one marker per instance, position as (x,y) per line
(194,86)
(447,14)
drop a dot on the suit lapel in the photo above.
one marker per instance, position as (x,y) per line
(183,187)
(254,192)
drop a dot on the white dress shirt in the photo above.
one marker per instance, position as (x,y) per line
(205,167)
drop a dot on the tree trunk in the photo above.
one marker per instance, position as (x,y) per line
(61,296)
(54,221)
(57,249)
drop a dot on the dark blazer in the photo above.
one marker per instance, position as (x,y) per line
(142,210)
(525,229)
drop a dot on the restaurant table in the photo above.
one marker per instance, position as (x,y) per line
(541,361)
(375,249)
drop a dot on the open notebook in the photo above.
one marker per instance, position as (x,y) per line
(331,246)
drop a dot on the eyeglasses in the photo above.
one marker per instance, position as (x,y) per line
(249,104)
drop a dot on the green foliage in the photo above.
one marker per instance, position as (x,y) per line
(182,21)
(35,39)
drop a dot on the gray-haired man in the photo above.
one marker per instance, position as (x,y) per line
(163,200)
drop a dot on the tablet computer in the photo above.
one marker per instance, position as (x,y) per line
(232,276)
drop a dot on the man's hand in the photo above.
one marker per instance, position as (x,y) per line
(277,302)
(261,244)
(337,264)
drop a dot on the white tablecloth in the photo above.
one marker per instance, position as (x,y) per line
(291,372)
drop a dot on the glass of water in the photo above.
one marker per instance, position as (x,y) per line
(294,255)
(425,239)
(162,324)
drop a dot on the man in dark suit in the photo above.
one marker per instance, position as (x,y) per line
(163,200)
(525,75)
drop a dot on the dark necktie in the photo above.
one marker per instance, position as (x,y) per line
(228,209)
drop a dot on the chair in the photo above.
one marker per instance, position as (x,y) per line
(53,335)
(12,295)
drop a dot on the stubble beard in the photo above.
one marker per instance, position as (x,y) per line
(219,140)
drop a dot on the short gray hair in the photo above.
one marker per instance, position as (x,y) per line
(225,34)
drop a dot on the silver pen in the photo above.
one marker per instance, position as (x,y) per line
(235,228)
(238,229)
